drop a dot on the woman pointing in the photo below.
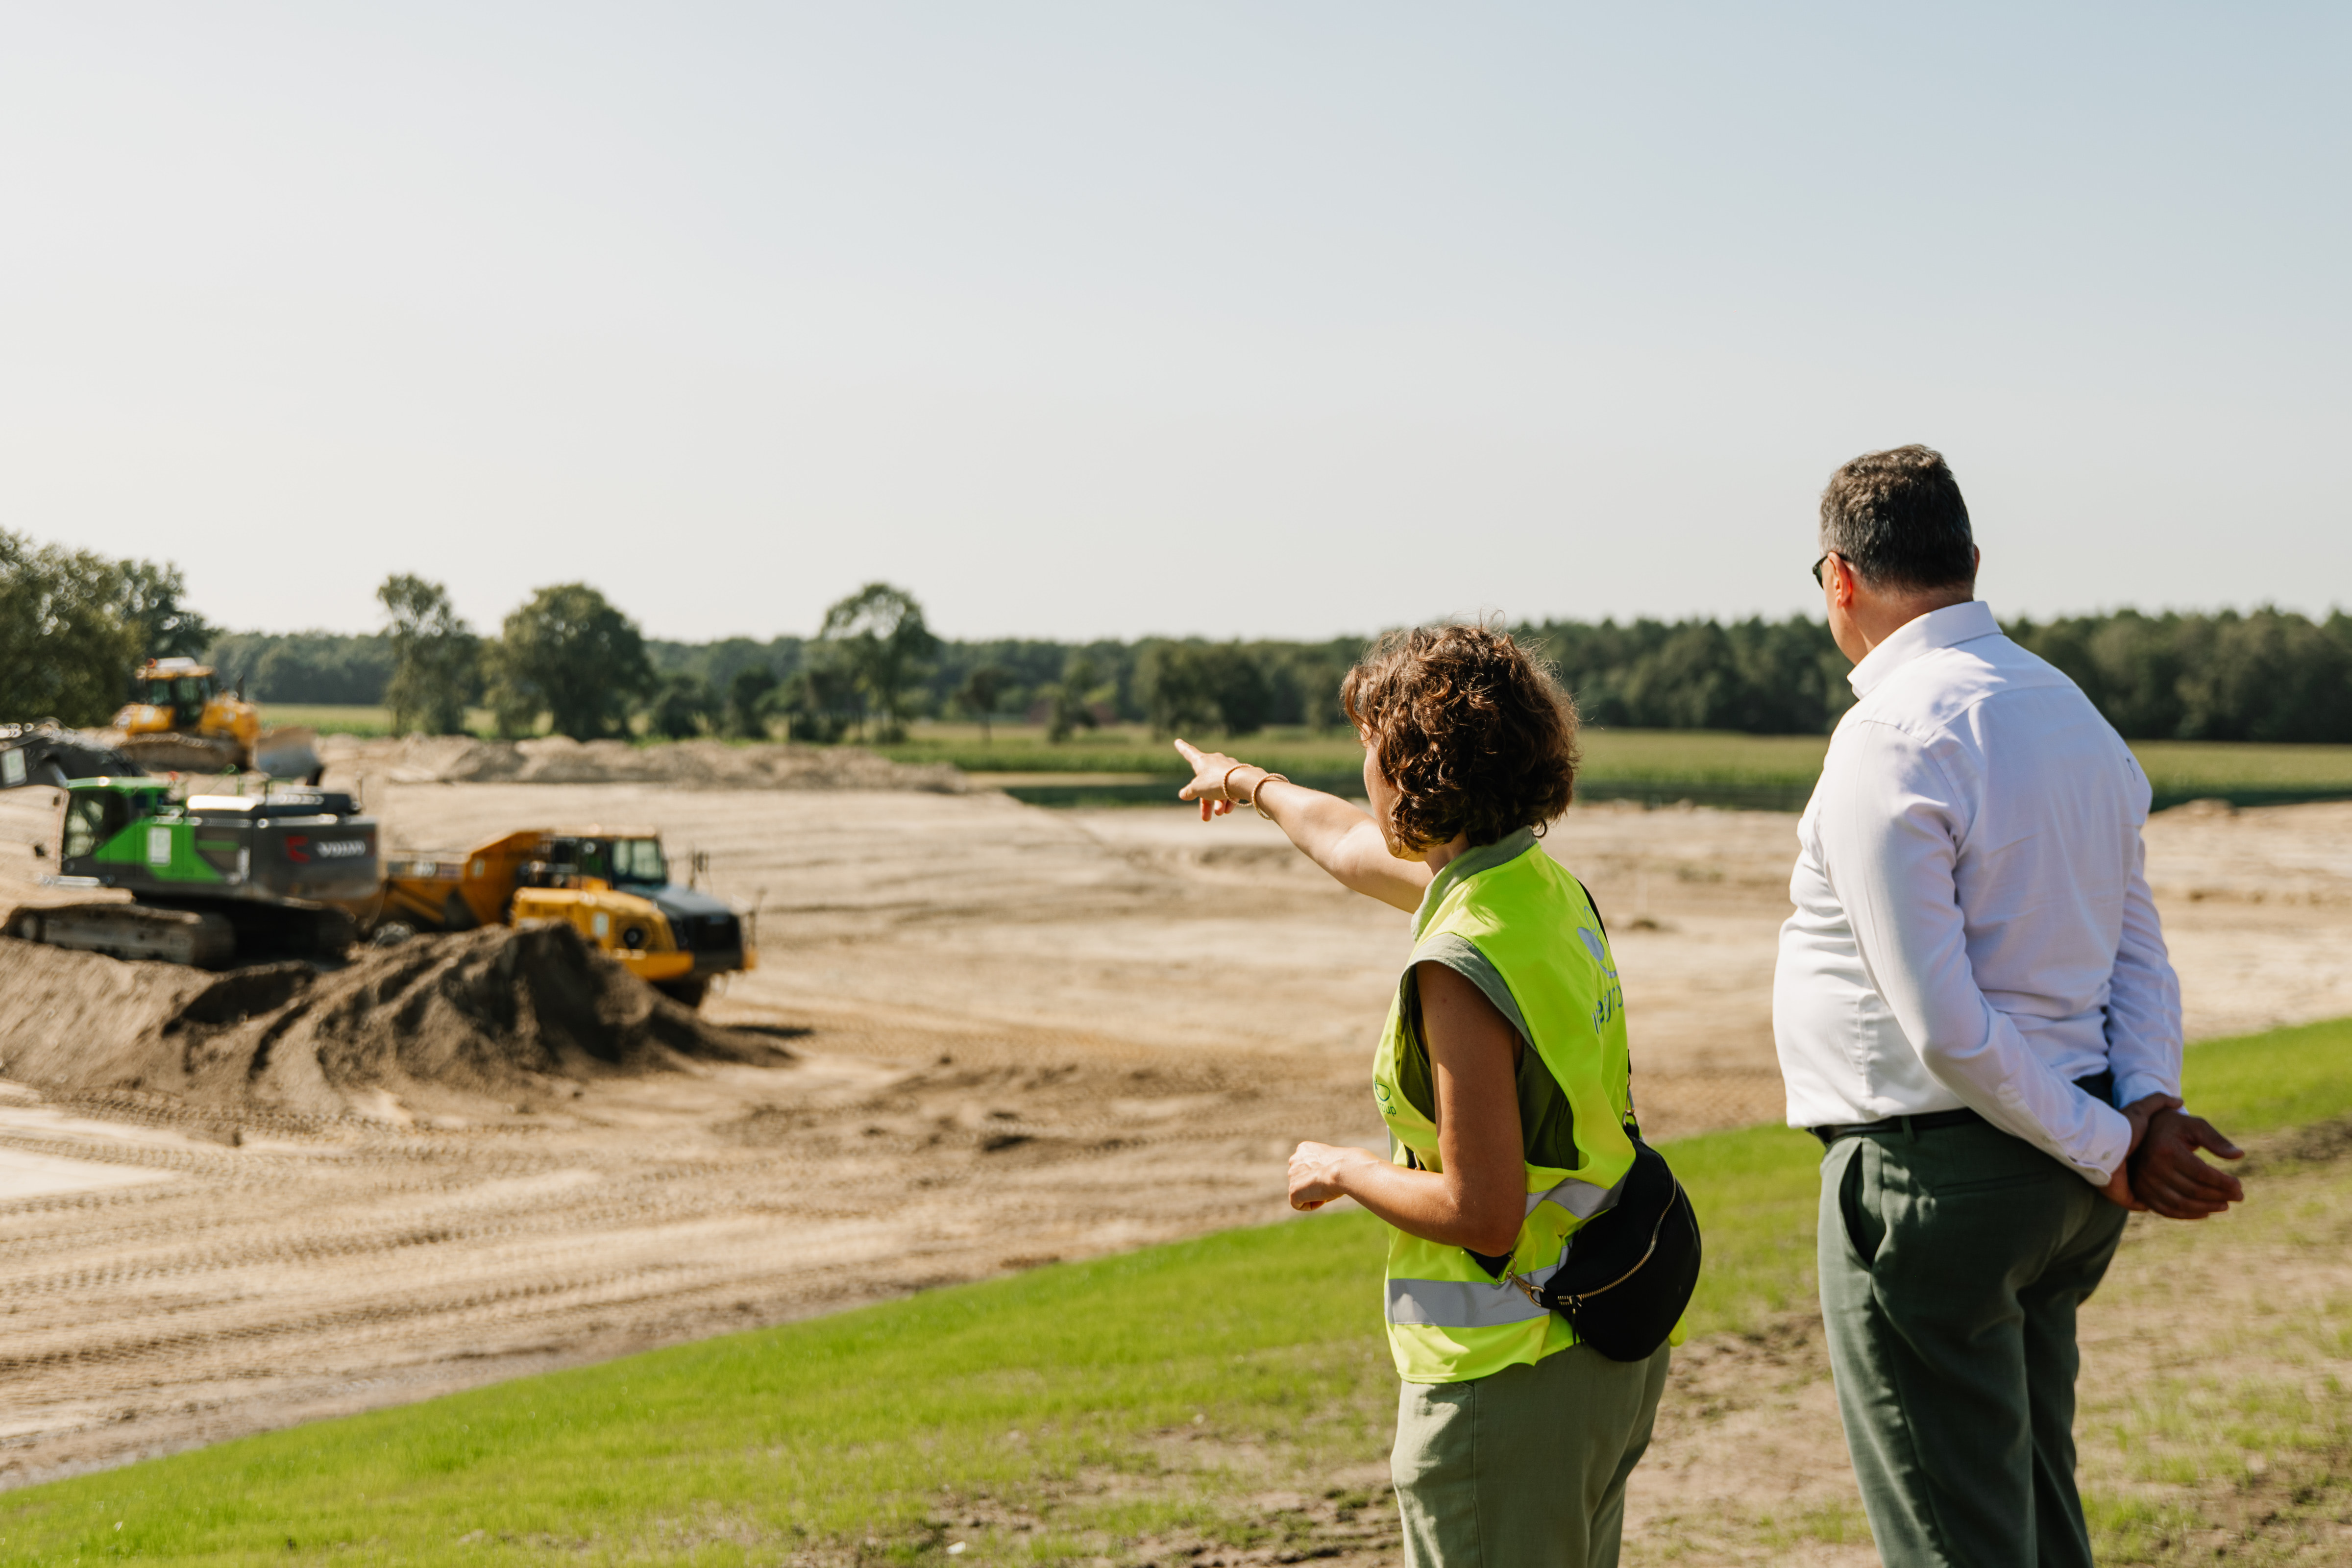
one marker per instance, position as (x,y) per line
(1502,1075)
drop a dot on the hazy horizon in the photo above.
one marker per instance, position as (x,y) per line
(1220,320)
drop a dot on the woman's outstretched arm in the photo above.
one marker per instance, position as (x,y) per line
(1339,837)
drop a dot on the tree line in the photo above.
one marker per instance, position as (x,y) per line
(74,624)
(2263,675)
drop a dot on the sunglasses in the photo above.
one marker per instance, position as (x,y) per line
(1822,563)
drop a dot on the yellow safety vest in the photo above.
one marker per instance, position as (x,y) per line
(1449,1320)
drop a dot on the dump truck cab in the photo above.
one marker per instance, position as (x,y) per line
(611,884)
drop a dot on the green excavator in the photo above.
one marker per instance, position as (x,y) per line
(213,878)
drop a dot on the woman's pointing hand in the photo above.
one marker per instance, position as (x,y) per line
(1211,772)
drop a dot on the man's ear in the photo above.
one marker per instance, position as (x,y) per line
(1847,580)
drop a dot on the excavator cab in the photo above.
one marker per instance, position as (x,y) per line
(185,695)
(93,818)
(176,696)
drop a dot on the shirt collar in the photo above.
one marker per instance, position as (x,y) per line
(1469,863)
(1947,627)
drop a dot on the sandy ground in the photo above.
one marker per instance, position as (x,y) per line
(1023,1035)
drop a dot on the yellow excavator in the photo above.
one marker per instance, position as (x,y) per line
(179,721)
(612,884)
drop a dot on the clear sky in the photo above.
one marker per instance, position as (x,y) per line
(1278,319)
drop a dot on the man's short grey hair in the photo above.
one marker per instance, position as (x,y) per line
(1897,518)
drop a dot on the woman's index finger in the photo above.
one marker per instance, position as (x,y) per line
(1190,753)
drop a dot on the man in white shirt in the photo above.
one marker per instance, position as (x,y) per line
(1975,1015)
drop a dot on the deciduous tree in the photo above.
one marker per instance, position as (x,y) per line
(164,628)
(1070,702)
(436,662)
(568,652)
(979,696)
(879,630)
(683,706)
(68,643)
(747,701)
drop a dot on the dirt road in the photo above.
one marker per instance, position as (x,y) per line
(1022,1035)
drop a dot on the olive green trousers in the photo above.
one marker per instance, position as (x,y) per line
(1952,1261)
(1526,1468)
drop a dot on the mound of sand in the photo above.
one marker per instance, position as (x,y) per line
(682,765)
(487,1021)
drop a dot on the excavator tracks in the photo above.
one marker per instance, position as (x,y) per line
(202,939)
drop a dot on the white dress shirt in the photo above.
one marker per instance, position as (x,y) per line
(1973,925)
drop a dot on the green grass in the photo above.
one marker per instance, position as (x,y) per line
(1711,766)
(2233,1439)
(1079,1398)
(2222,767)
(1708,765)
(1117,749)
(1697,756)
(2286,1078)
(328,718)
(336,718)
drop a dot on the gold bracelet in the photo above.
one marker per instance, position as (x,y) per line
(1261,790)
(1225,784)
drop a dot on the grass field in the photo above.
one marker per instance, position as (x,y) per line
(1770,771)
(1696,755)
(1067,1412)
(331,718)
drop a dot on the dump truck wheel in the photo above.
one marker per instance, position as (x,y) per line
(690,991)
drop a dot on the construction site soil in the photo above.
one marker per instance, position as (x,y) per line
(436,1029)
(981,1035)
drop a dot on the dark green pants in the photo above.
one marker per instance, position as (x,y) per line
(1526,1468)
(1952,1263)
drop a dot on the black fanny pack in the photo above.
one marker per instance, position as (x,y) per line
(1630,1270)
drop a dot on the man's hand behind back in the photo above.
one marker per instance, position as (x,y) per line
(2167,1176)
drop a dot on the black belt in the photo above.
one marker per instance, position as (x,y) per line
(2099,1086)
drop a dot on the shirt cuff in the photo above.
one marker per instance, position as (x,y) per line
(2107,1148)
(2132,1087)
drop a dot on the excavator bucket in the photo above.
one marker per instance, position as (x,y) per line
(289,753)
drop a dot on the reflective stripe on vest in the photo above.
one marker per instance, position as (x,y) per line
(1460,1304)
(1579,1197)
(1476,1304)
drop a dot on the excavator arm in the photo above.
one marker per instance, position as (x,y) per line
(45,754)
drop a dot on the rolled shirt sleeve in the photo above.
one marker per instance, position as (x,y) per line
(1891,828)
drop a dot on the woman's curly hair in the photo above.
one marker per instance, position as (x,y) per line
(1476,734)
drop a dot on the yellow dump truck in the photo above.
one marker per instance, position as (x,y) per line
(611,883)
